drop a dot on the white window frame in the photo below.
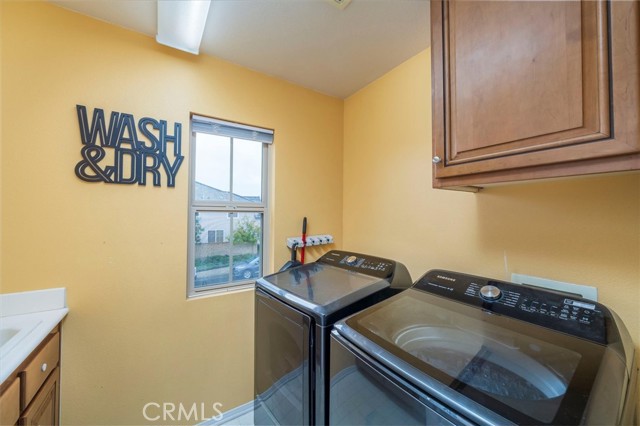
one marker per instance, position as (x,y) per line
(203,124)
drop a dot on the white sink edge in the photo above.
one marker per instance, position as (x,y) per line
(35,314)
(46,322)
(23,331)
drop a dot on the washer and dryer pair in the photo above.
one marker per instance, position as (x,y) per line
(345,341)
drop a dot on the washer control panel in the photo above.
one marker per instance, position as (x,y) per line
(365,264)
(558,311)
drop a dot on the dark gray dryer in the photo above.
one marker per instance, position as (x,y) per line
(294,312)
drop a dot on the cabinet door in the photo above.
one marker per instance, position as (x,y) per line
(526,84)
(10,403)
(43,409)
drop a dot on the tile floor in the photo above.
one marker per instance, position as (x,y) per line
(243,415)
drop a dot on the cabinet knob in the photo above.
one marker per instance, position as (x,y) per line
(436,159)
(43,367)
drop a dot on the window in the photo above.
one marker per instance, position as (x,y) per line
(228,206)
(215,236)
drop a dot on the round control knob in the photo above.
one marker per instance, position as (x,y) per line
(490,293)
(351,260)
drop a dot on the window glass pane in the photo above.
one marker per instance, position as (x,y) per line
(246,239)
(213,167)
(228,247)
(212,248)
(247,171)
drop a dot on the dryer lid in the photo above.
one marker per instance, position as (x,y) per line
(321,290)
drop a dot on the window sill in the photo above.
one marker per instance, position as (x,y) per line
(237,288)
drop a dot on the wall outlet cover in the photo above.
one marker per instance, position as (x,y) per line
(585,291)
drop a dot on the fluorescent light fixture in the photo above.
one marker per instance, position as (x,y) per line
(181,23)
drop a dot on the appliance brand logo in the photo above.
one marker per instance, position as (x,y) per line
(443,277)
(132,156)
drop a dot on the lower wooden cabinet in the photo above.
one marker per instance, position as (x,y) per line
(31,394)
(43,409)
(10,403)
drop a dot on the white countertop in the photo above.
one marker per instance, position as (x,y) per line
(25,320)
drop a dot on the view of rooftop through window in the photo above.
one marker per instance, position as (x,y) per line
(221,172)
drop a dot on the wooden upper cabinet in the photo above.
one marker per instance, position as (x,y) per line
(531,89)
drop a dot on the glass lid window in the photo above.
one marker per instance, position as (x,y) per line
(468,351)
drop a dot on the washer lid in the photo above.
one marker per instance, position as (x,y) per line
(471,358)
(321,290)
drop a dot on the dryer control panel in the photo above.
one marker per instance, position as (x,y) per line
(547,308)
(365,264)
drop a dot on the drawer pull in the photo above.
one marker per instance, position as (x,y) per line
(43,367)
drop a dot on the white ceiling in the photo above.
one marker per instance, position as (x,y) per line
(308,42)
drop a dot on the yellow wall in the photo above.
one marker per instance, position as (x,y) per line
(131,336)
(582,230)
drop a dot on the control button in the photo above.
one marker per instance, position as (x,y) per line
(351,260)
(490,292)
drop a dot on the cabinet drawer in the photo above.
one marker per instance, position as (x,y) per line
(37,371)
(43,410)
(10,404)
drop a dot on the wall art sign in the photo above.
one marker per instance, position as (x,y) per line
(123,151)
